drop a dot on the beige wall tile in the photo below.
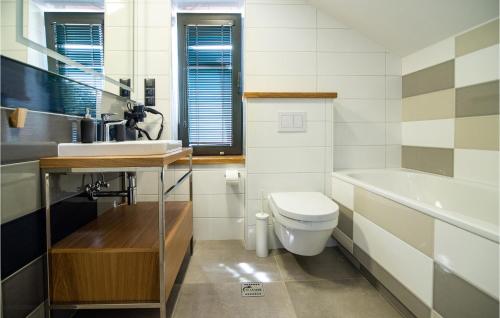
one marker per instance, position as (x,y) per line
(411,226)
(477,100)
(477,132)
(479,38)
(432,160)
(432,79)
(435,105)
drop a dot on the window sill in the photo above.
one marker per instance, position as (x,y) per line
(213,160)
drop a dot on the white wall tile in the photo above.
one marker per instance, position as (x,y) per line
(359,110)
(477,67)
(326,21)
(393,110)
(218,229)
(268,83)
(154,14)
(393,64)
(472,257)
(393,134)
(272,182)
(219,205)
(396,257)
(351,63)
(272,241)
(393,87)
(118,14)
(477,165)
(255,206)
(153,38)
(118,62)
(343,192)
(301,40)
(281,160)
(393,156)
(118,39)
(268,109)
(266,134)
(369,87)
(154,63)
(345,40)
(280,63)
(429,133)
(280,16)
(359,157)
(440,52)
(359,134)
(211,182)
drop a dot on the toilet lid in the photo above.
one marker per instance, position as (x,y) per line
(304,206)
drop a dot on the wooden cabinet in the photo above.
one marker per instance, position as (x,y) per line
(114,259)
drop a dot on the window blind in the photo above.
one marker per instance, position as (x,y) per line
(83,43)
(209,96)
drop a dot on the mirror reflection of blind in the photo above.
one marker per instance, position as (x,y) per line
(83,43)
(209,84)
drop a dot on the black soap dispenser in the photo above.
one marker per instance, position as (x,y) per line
(88,128)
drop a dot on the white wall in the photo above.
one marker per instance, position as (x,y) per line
(218,207)
(292,46)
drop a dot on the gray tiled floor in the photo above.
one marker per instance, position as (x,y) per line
(323,286)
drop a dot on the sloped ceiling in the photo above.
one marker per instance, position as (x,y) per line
(405,26)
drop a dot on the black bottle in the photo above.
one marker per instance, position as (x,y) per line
(88,128)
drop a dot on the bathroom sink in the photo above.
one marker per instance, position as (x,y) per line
(124,148)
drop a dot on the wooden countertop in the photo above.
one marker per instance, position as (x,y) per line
(114,161)
(290,95)
(209,160)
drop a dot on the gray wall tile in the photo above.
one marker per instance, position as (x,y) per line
(477,100)
(432,160)
(345,220)
(24,291)
(456,298)
(479,38)
(434,78)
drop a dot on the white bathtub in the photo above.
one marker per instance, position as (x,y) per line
(471,206)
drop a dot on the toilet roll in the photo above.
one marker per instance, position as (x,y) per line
(232,176)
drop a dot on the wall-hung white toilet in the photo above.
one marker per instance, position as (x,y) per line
(303,221)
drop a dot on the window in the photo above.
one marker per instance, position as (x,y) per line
(210,83)
(79,36)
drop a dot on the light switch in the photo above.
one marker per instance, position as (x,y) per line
(292,121)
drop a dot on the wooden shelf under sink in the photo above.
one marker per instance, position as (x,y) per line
(115,257)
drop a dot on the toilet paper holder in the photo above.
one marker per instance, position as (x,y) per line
(232,176)
(239,175)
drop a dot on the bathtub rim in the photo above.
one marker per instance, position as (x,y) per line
(475,226)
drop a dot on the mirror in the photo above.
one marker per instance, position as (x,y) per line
(88,41)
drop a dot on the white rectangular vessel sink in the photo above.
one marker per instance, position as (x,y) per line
(124,148)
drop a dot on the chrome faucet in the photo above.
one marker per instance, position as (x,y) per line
(106,123)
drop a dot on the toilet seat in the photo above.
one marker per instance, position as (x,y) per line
(309,211)
(303,221)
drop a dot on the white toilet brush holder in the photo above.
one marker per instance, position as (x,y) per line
(261,220)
